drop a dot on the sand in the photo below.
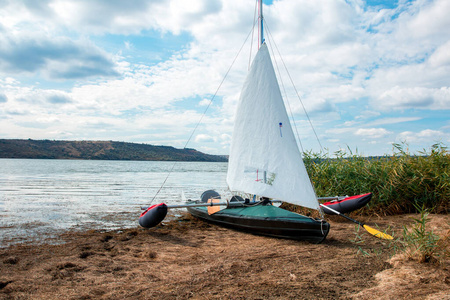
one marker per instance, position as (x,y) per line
(189,259)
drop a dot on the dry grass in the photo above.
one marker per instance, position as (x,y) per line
(190,259)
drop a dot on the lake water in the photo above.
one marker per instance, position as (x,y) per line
(40,198)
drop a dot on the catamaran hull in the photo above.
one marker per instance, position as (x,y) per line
(290,226)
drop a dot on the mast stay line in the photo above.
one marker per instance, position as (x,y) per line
(204,113)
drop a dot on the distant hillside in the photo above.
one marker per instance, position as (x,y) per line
(102,150)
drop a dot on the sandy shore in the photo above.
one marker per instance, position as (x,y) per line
(190,259)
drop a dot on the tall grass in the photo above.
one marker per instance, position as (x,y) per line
(400,182)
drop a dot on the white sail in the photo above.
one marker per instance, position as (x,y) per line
(264,157)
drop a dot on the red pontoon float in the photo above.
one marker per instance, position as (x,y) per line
(347,204)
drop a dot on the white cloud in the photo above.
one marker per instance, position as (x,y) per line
(368,114)
(132,17)
(372,133)
(426,136)
(412,60)
(318,106)
(415,97)
(429,23)
(337,131)
(350,64)
(204,102)
(58,58)
(385,121)
(202,138)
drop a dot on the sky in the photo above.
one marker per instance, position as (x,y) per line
(368,73)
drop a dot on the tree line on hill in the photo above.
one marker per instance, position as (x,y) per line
(99,150)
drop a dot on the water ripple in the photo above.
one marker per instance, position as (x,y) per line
(41,198)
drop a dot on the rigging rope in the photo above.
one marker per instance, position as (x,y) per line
(204,113)
(298,96)
(253,31)
(284,91)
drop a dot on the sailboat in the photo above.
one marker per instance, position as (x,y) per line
(265,161)
(265,167)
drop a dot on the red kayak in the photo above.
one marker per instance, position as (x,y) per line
(347,204)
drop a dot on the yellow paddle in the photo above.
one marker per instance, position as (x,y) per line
(369,229)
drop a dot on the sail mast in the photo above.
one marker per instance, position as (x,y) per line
(260,24)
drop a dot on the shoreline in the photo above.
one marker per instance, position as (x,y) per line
(189,259)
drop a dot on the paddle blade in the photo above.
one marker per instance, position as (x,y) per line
(378,233)
(213,209)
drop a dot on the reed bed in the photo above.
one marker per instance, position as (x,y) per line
(400,182)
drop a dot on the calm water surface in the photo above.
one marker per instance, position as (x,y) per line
(41,198)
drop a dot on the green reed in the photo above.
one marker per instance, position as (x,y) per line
(400,182)
(422,244)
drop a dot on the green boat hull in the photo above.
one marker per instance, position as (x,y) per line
(267,220)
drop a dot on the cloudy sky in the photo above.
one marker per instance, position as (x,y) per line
(369,73)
